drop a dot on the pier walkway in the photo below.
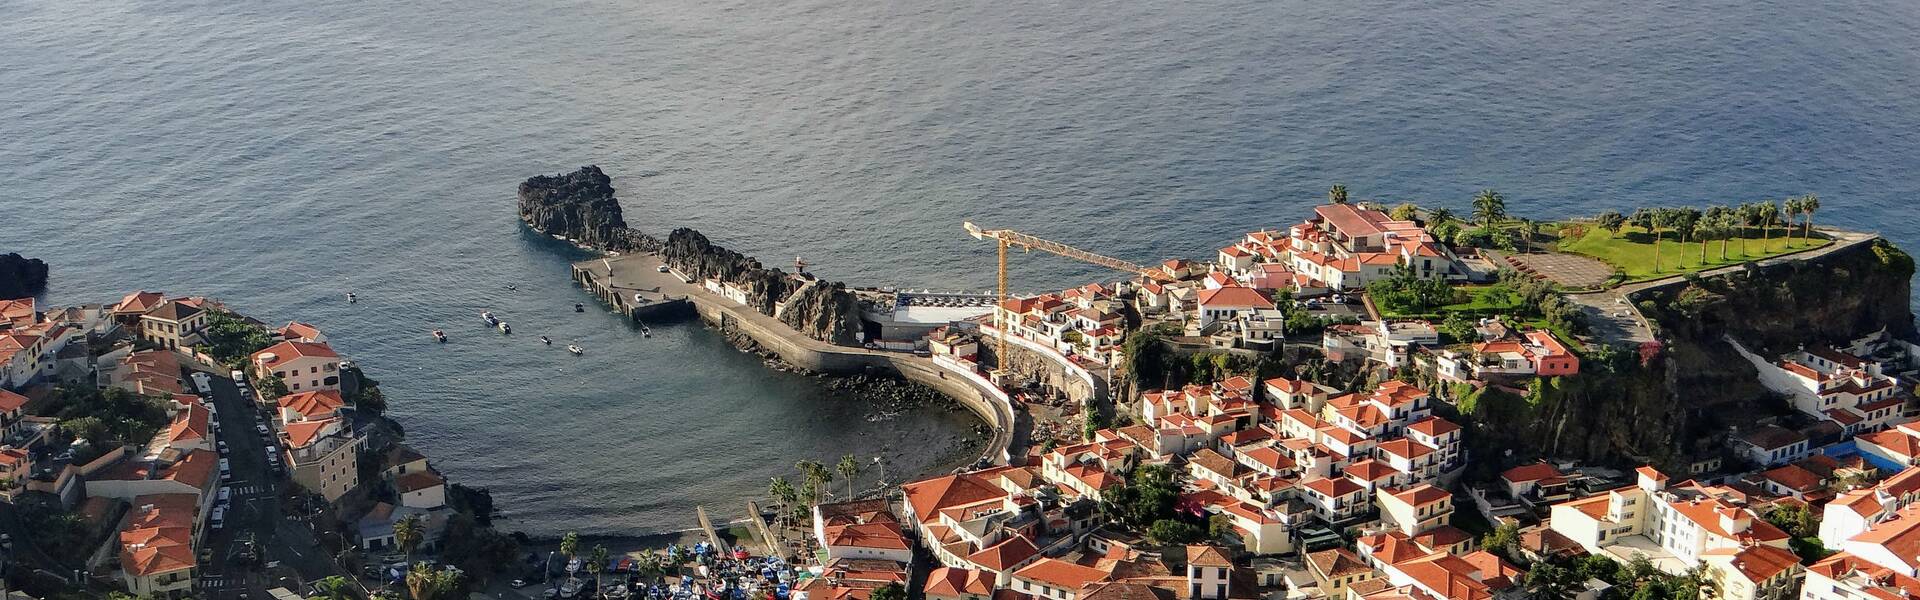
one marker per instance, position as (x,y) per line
(620,277)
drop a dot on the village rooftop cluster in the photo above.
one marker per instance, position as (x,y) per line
(158,500)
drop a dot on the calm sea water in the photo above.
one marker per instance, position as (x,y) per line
(278,154)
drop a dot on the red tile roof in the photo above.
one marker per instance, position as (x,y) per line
(300,434)
(1060,573)
(290,350)
(1532,472)
(883,536)
(10,401)
(313,404)
(1004,555)
(1235,296)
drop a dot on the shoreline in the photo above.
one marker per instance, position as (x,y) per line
(612,276)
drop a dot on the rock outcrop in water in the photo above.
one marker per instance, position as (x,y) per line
(579,206)
(21,276)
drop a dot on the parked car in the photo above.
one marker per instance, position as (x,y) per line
(226,494)
(238,375)
(223,448)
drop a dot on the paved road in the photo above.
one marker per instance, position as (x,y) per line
(1615,320)
(254,511)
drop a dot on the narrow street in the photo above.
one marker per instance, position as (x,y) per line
(254,513)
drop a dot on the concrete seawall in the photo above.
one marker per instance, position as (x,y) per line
(617,279)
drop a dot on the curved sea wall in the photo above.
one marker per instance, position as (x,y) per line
(818,324)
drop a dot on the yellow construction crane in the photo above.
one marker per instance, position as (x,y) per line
(1006,238)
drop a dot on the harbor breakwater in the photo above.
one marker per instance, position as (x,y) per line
(817,320)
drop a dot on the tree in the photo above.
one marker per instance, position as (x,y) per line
(1406,292)
(891,591)
(1337,194)
(1685,223)
(817,477)
(1769,213)
(1440,216)
(1504,540)
(409,533)
(1169,531)
(782,493)
(1489,207)
(1808,205)
(848,468)
(1529,230)
(1612,221)
(427,583)
(1548,581)
(1459,327)
(332,587)
(596,564)
(1405,211)
(570,545)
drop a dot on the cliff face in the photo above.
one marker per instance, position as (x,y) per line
(824,311)
(21,276)
(578,205)
(695,255)
(1677,404)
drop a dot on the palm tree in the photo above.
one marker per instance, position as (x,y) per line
(1337,194)
(1749,216)
(817,477)
(409,533)
(782,493)
(848,468)
(1662,218)
(598,565)
(1808,204)
(1489,207)
(332,587)
(1686,224)
(1440,215)
(1790,206)
(1769,214)
(570,546)
(427,583)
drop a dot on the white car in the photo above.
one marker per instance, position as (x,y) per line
(219,517)
(238,375)
(225,495)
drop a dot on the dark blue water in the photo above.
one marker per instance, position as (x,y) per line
(277,154)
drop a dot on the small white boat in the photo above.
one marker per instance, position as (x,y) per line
(351,299)
(576,350)
(487,315)
(504,328)
(440,335)
(544,340)
(645,332)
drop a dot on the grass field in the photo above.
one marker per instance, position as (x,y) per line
(1632,251)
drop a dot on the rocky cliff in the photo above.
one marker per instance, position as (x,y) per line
(21,276)
(695,255)
(1676,403)
(580,206)
(824,311)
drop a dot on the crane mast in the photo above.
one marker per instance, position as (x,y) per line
(1006,238)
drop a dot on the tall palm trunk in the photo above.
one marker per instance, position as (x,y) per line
(1656,249)
(1723,248)
(1766,237)
(1807,229)
(1703,251)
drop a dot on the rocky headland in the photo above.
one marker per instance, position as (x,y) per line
(21,276)
(581,206)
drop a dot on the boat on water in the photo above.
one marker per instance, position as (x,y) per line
(439,335)
(578,307)
(487,315)
(544,340)
(645,331)
(504,328)
(351,299)
(576,350)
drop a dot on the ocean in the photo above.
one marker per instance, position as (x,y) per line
(279,154)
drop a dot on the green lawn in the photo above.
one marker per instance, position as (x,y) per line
(1632,251)
(1481,298)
